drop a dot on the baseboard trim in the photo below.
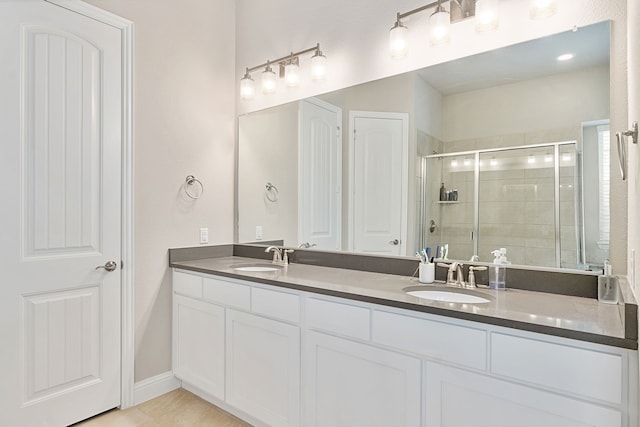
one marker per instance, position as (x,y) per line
(155,386)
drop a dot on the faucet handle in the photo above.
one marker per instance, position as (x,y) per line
(472,276)
(285,257)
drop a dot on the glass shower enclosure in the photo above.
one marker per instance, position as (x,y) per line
(526,199)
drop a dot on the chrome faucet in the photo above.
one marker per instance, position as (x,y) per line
(455,273)
(280,255)
(277,255)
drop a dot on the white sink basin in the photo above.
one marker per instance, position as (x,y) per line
(448,296)
(256,268)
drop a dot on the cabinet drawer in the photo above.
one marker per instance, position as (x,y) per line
(227,293)
(343,319)
(187,284)
(441,341)
(280,305)
(575,370)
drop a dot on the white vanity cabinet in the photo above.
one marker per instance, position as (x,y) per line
(280,357)
(263,368)
(198,337)
(457,398)
(349,384)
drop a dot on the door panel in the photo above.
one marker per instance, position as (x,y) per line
(60,177)
(379,192)
(320,175)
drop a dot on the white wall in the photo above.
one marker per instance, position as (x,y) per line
(634,150)
(184,124)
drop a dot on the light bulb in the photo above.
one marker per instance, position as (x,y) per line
(439,23)
(541,9)
(486,15)
(398,46)
(268,80)
(247,88)
(292,74)
(318,66)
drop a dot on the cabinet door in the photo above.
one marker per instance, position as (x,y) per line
(351,384)
(198,344)
(457,398)
(263,368)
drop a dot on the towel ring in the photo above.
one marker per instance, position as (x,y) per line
(191,182)
(271,192)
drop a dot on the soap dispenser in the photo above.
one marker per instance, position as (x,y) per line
(498,271)
(608,289)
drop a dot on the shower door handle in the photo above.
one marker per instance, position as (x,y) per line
(622,155)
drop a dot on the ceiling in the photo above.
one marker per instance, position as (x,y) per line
(524,61)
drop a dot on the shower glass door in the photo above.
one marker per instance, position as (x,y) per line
(516,204)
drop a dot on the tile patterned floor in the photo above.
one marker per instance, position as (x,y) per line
(178,408)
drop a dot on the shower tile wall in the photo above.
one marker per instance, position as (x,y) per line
(516,202)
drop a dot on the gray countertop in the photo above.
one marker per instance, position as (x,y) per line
(566,316)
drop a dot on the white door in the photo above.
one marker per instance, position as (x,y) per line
(351,384)
(320,175)
(60,121)
(378,180)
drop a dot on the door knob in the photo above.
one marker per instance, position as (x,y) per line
(109,266)
(394,242)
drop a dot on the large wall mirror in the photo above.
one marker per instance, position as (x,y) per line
(508,148)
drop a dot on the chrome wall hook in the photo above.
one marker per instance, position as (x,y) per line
(622,147)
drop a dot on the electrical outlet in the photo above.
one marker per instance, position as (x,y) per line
(258,232)
(204,235)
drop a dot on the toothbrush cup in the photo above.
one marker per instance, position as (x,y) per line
(427,273)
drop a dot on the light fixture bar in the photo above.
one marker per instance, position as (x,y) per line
(316,48)
(465,9)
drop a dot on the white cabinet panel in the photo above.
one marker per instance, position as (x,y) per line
(442,341)
(343,319)
(263,368)
(281,305)
(187,284)
(457,398)
(198,344)
(227,293)
(350,384)
(576,370)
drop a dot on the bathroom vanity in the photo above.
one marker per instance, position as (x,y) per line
(309,345)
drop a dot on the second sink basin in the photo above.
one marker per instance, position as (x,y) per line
(448,296)
(256,268)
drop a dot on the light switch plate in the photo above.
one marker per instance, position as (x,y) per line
(258,232)
(204,235)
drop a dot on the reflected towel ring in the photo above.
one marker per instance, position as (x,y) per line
(192,181)
(271,191)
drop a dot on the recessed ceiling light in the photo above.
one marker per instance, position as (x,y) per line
(565,57)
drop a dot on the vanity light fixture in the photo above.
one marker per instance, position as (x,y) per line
(441,20)
(289,69)
(484,11)
(269,80)
(541,9)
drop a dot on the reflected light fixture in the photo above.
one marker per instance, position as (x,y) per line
(493,161)
(531,159)
(565,57)
(289,69)
(548,158)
